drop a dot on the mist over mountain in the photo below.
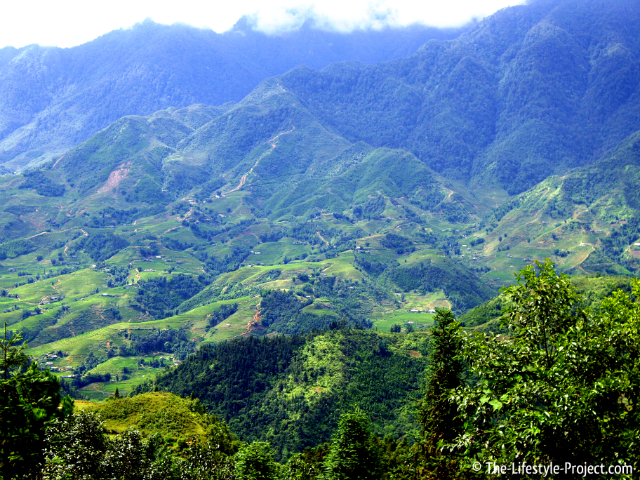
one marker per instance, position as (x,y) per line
(532,91)
(277,238)
(52,99)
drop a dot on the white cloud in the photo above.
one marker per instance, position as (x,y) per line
(66,23)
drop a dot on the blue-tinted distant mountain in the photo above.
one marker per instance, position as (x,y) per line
(531,91)
(52,98)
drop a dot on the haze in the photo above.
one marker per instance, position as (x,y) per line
(67,23)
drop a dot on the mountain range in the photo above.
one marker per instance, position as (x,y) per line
(51,99)
(155,216)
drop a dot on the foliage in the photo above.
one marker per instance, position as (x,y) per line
(462,287)
(79,447)
(229,263)
(255,462)
(15,248)
(482,314)
(174,418)
(615,245)
(297,386)
(42,184)
(167,340)
(285,312)
(159,295)
(561,386)
(396,242)
(279,307)
(355,452)
(101,246)
(224,312)
(29,399)
(75,447)
(438,415)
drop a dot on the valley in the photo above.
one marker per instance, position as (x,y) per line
(263,256)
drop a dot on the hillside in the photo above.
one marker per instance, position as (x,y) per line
(174,418)
(533,90)
(345,198)
(51,99)
(586,220)
(291,391)
(165,232)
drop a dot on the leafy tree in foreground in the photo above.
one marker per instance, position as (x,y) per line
(255,462)
(562,386)
(76,447)
(29,399)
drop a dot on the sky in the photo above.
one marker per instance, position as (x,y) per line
(67,23)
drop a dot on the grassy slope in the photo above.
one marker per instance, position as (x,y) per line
(170,186)
(161,413)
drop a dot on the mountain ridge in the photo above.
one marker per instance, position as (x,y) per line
(480,108)
(52,99)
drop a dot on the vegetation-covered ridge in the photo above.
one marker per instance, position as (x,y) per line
(203,224)
(291,391)
(548,390)
(151,67)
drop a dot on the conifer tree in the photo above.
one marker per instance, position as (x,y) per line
(437,413)
(355,453)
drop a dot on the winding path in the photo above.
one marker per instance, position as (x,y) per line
(255,319)
(271,142)
(323,239)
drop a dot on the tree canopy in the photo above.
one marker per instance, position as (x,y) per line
(561,386)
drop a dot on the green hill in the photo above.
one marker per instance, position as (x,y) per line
(292,390)
(168,415)
(585,220)
(139,70)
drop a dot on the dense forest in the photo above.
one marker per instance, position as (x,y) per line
(311,276)
(297,386)
(546,394)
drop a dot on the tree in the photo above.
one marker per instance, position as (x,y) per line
(13,355)
(355,453)
(29,399)
(126,457)
(76,446)
(255,462)
(562,386)
(437,413)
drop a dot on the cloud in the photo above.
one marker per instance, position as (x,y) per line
(66,23)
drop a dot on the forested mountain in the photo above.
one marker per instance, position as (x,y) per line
(309,245)
(52,98)
(531,91)
(379,177)
(296,387)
